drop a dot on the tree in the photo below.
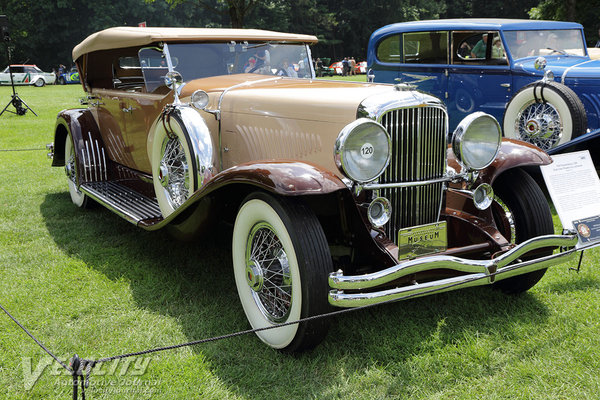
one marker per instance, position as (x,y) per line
(237,10)
(586,13)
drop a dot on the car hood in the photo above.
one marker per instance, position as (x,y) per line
(317,100)
(563,67)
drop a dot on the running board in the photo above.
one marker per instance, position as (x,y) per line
(126,202)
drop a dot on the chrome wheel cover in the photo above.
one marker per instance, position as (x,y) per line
(174,172)
(510,219)
(539,124)
(268,273)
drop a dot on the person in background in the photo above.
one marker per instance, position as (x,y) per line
(345,66)
(287,70)
(250,65)
(319,67)
(598,42)
(479,48)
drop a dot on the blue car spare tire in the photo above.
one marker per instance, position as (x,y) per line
(546,114)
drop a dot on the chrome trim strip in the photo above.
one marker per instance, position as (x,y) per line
(375,186)
(340,299)
(338,281)
(564,75)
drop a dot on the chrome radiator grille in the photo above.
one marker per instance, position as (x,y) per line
(418,153)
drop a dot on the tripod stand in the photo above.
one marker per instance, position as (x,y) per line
(20,106)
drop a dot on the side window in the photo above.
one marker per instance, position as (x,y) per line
(478,48)
(388,49)
(154,68)
(17,70)
(426,47)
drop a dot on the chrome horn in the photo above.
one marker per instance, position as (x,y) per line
(483,196)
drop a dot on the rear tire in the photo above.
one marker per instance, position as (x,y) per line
(78,198)
(521,212)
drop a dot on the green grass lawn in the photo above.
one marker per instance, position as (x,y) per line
(88,282)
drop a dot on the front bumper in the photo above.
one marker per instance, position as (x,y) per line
(474,272)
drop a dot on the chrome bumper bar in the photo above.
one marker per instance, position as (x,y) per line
(477,272)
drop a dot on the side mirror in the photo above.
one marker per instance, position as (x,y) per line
(173,80)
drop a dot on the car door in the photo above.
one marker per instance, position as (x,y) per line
(479,77)
(416,58)
(18,75)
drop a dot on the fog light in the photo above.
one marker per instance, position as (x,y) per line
(379,212)
(483,196)
(199,99)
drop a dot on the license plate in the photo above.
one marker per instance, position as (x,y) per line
(422,240)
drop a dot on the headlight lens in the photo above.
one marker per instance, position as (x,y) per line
(362,150)
(476,140)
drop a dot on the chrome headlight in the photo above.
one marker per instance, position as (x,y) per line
(476,140)
(362,150)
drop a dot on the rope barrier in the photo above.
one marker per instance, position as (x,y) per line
(81,369)
(36,149)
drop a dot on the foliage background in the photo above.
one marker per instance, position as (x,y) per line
(45,31)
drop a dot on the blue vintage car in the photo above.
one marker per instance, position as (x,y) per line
(71,76)
(536,77)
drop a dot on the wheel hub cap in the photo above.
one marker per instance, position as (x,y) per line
(540,124)
(254,276)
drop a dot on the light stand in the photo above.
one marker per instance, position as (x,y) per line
(15,100)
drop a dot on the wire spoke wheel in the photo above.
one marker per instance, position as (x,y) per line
(268,273)
(539,124)
(281,262)
(174,172)
(545,114)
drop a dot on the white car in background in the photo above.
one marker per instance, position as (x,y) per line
(26,75)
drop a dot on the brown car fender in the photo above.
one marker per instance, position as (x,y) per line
(512,154)
(286,178)
(92,157)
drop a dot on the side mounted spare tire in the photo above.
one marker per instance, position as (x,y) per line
(182,157)
(545,114)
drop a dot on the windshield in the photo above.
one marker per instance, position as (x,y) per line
(202,60)
(545,42)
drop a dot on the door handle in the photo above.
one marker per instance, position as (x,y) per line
(506,85)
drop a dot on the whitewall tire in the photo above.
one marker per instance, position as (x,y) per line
(173,166)
(545,114)
(78,198)
(281,264)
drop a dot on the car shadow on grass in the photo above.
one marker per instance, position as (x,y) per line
(193,283)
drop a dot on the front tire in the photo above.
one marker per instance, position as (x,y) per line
(555,118)
(521,212)
(281,264)
(39,83)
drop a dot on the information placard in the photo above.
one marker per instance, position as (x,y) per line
(574,186)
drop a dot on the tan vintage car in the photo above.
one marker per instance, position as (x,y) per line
(340,194)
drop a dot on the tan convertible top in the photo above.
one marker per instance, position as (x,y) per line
(127,36)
